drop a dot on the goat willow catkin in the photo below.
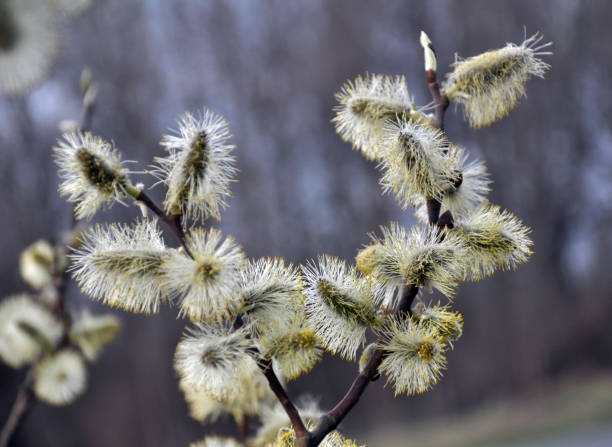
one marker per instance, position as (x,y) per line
(209,357)
(489,85)
(36,263)
(92,332)
(365,105)
(199,167)
(340,305)
(92,172)
(469,190)
(416,161)
(60,378)
(494,239)
(418,257)
(121,265)
(294,346)
(414,356)
(26,329)
(270,292)
(206,283)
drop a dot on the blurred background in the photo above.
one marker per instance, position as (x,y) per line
(534,365)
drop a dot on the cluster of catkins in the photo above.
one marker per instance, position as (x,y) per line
(36,329)
(246,311)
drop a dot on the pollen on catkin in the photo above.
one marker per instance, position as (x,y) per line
(121,266)
(419,257)
(293,345)
(26,329)
(286,438)
(209,357)
(30,41)
(445,323)
(494,239)
(60,378)
(199,167)
(92,332)
(490,84)
(365,105)
(416,161)
(91,172)
(270,292)
(207,284)
(414,356)
(340,305)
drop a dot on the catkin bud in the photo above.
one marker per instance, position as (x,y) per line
(91,333)
(369,258)
(210,358)
(430,55)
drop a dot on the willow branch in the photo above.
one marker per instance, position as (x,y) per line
(440,105)
(301,432)
(172,220)
(21,406)
(332,418)
(277,388)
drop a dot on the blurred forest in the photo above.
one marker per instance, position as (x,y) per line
(272,68)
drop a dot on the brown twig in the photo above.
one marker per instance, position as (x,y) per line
(172,220)
(277,388)
(21,406)
(301,432)
(332,418)
(440,105)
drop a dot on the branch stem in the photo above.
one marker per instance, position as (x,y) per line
(332,418)
(172,220)
(301,432)
(21,406)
